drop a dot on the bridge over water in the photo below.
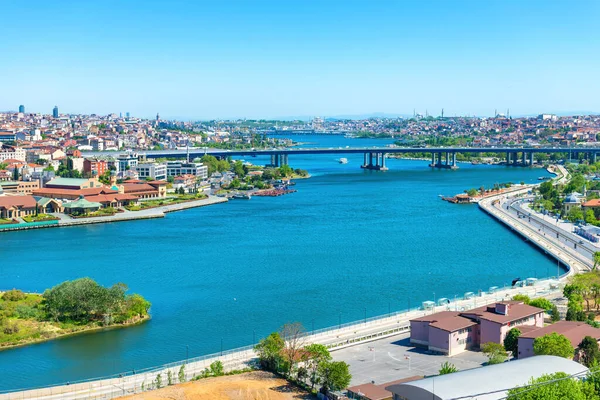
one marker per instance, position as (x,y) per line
(374,157)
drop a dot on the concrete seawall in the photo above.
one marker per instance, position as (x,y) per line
(157,212)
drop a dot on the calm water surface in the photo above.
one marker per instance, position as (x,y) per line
(347,242)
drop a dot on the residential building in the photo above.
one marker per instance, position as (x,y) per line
(8,136)
(94,166)
(452,332)
(575,331)
(154,171)
(371,391)
(490,383)
(176,168)
(12,153)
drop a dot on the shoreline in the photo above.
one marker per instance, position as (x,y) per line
(79,332)
(150,213)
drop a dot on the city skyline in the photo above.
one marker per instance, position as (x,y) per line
(273,60)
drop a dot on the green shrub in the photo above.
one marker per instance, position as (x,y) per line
(14,295)
(26,312)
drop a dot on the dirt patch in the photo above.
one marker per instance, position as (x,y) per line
(251,386)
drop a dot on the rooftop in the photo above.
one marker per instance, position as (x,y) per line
(494,380)
(575,331)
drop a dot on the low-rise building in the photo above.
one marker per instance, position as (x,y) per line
(575,331)
(73,183)
(176,168)
(452,332)
(490,383)
(154,171)
(12,207)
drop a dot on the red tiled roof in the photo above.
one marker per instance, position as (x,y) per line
(592,203)
(17,201)
(517,310)
(575,331)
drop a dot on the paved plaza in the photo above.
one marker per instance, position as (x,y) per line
(395,358)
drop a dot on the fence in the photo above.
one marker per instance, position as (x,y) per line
(28,225)
(337,337)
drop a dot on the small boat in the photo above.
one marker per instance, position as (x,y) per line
(343,161)
(241,196)
(543,178)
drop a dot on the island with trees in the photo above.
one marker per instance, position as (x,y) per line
(71,307)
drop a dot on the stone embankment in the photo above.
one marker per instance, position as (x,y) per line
(157,212)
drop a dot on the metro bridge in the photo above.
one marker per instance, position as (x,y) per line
(374,157)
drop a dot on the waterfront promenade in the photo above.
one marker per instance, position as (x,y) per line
(335,338)
(150,213)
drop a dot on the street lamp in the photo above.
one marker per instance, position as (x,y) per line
(187,353)
(340,321)
(221,347)
(365,315)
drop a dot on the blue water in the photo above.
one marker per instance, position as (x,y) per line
(347,242)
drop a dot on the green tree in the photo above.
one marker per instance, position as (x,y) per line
(286,170)
(511,341)
(238,169)
(575,214)
(216,368)
(105,177)
(335,375)
(558,386)
(542,303)
(554,314)
(181,374)
(472,192)
(495,352)
(522,297)
(316,354)
(269,351)
(596,259)
(553,344)
(447,368)
(588,352)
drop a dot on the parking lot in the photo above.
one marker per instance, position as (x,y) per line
(394,358)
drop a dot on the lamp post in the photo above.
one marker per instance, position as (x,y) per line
(389,309)
(187,353)
(221,347)
(340,321)
(365,315)
(254,336)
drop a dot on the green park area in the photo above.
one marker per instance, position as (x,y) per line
(68,308)
(180,198)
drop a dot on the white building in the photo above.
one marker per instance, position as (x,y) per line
(15,153)
(176,168)
(127,161)
(155,171)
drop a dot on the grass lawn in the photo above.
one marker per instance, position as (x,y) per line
(39,218)
(182,198)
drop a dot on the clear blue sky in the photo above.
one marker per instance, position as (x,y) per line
(221,59)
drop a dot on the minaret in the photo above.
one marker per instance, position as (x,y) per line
(442,113)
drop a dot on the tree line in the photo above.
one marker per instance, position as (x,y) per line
(287,353)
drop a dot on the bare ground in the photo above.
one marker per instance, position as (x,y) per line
(257,385)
